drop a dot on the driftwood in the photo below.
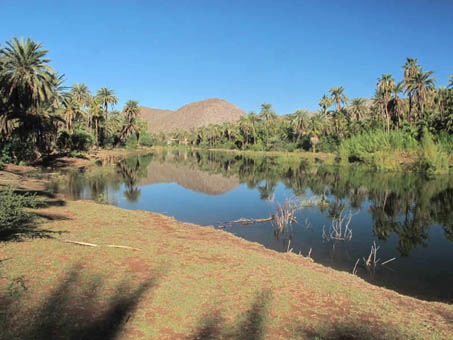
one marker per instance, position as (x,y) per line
(96,245)
(245,221)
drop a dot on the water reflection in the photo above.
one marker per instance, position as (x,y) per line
(348,208)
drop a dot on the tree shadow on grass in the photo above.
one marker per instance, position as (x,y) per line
(341,330)
(47,199)
(27,231)
(213,327)
(76,309)
(251,328)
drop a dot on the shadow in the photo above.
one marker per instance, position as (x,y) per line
(210,327)
(27,231)
(55,161)
(51,217)
(50,199)
(78,308)
(213,326)
(351,331)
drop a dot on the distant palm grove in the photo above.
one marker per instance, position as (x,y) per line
(411,118)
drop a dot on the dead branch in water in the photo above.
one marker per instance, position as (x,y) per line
(245,221)
(86,244)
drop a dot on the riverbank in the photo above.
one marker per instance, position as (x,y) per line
(147,276)
(390,161)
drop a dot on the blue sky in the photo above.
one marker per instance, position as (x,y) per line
(289,53)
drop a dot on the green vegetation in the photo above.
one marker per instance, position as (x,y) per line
(382,131)
(38,116)
(14,218)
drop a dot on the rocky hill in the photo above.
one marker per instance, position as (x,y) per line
(193,115)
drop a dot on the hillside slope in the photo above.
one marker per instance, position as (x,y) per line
(193,115)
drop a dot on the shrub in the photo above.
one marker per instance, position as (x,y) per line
(64,142)
(290,147)
(328,144)
(431,160)
(361,146)
(16,150)
(256,147)
(81,140)
(13,215)
(146,139)
(444,141)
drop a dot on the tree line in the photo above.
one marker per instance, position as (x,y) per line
(39,116)
(410,107)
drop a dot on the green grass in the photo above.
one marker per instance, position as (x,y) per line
(397,150)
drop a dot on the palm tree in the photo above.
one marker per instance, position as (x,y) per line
(358,108)
(81,93)
(385,87)
(131,111)
(254,121)
(338,97)
(268,115)
(314,128)
(450,84)
(69,109)
(325,103)
(411,68)
(28,79)
(244,129)
(31,88)
(107,97)
(396,103)
(418,86)
(300,122)
(96,112)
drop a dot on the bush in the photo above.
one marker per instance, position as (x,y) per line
(81,140)
(13,215)
(328,143)
(290,147)
(146,139)
(16,150)
(431,160)
(256,147)
(444,141)
(361,146)
(64,142)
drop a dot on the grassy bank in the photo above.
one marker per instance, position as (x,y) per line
(185,282)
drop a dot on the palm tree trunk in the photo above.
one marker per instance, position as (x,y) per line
(96,130)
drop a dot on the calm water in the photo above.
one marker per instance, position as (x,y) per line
(410,218)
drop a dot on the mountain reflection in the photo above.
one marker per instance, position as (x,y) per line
(404,204)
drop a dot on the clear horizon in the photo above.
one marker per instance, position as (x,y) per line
(166,54)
